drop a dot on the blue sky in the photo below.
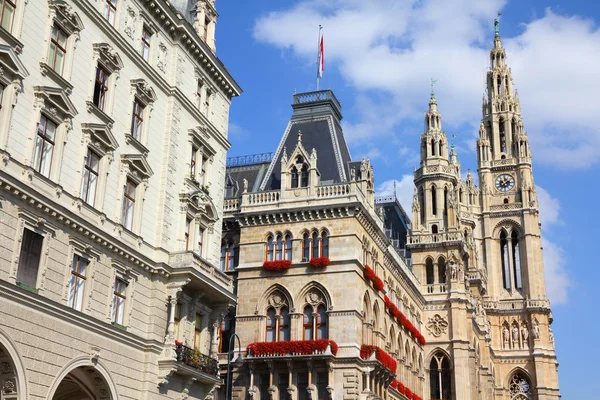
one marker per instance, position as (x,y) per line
(379,58)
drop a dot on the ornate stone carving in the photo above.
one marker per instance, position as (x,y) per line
(9,387)
(437,325)
(535,330)
(162,57)
(314,297)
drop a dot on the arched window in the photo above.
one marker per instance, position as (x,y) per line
(309,322)
(422,195)
(294,177)
(304,176)
(225,333)
(440,377)
(433,201)
(278,325)
(504,258)
(322,322)
(460,197)
(442,270)
(441,154)
(324,244)
(502,136)
(315,244)
(269,248)
(516,258)
(499,85)
(519,387)
(279,247)
(271,325)
(288,247)
(284,324)
(445,201)
(432,147)
(429,271)
(306,246)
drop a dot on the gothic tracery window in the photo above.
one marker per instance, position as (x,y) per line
(519,387)
(440,377)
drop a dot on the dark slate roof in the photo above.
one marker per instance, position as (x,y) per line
(396,220)
(317,115)
(252,173)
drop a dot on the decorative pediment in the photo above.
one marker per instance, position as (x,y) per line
(143,91)
(139,168)
(199,203)
(100,137)
(11,67)
(55,101)
(65,16)
(199,136)
(108,57)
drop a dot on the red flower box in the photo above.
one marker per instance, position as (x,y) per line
(366,351)
(319,262)
(304,347)
(369,273)
(277,265)
(394,384)
(378,284)
(178,343)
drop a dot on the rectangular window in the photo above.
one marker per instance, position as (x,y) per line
(58,49)
(200,240)
(282,385)
(7,13)
(137,118)
(204,168)
(193,161)
(322,383)
(263,385)
(199,93)
(207,101)
(128,205)
(29,258)
(44,146)
(118,304)
(1,93)
(188,227)
(110,11)
(177,318)
(77,282)
(302,386)
(197,331)
(146,35)
(206,25)
(101,88)
(90,177)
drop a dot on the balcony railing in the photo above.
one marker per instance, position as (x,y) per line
(249,160)
(231,204)
(263,197)
(333,190)
(312,97)
(436,288)
(193,358)
(434,237)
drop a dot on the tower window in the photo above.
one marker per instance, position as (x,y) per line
(304,176)
(440,379)
(432,147)
(516,258)
(502,136)
(433,201)
(504,258)
(429,271)
(441,270)
(269,248)
(294,177)
(445,201)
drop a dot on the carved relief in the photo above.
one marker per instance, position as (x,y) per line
(130,22)
(437,325)
(162,57)
(277,300)
(314,297)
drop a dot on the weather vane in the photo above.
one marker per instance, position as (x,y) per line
(433,82)
(497,24)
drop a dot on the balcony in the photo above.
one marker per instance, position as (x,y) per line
(428,238)
(292,349)
(436,288)
(190,363)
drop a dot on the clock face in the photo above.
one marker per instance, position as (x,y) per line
(505,182)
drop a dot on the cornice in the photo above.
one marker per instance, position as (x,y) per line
(297,214)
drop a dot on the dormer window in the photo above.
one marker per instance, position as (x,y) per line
(294,177)
(304,176)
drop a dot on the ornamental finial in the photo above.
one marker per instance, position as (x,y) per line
(497,25)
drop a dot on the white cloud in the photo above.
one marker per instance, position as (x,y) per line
(404,191)
(558,281)
(549,208)
(400,45)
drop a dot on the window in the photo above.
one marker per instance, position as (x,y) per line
(505,259)
(322,383)
(177,319)
(100,88)
(440,380)
(77,282)
(188,224)
(146,35)
(199,89)
(1,94)
(44,146)
(225,333)
(207,100)
(429,271)
(304,176)
(29,258)
(58,49)
(302,386)
(118,304)
(263,386)
(442,270)
(309,323)
(282,385)
(284,324)
(128,205)
(203,172)
(287,252)
(324,244)
(306,247)
(315,244)
(197,331)
(269,248)
(200,240)
(322,322)
(278,325)
(433,201)
(110,10)
(193,161)
(90,177)
(271,325)
(137,118)
(445,201)
(502,136)
(228,256)
(315,329)
(279,247)
(294,177)
(7,13)
(516,259)
(519,387)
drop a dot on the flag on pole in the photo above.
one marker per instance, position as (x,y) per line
(321,58)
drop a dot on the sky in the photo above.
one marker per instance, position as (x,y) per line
(380,56)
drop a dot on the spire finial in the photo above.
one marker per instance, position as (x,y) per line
(497,25)
(433,82)
(453,137)
(299,136)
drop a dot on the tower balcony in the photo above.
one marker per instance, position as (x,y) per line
(429,239)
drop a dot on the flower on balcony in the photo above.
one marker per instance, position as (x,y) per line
(178,343)
(394,384)
(369,273)
(387,302)
(197,360)
(378,284)
(303,347)
(277,265)
(388,361)
(319,262)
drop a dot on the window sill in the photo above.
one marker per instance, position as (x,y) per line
(48,71)
(27,287)
(117,325)
(12,41)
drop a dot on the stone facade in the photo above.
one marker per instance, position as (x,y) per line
(113,140)
(467,274)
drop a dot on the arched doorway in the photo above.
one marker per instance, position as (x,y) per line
(83,383)
(9,381)
(440,377)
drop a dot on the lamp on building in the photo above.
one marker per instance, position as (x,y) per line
(239,361)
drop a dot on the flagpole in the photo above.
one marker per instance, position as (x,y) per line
(319,57)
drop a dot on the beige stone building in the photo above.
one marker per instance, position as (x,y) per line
(113,140)
(454,302)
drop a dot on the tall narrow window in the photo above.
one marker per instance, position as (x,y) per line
(207,101)
(288,247)
(445,201)
(294,177)
(440,148)
(44,146)
(322,322)
(442,270)
(7,13)
(505,260)
(271,325)
(77,282)
(200,241)
(269,248)
(199,90)
(308,323)
(118,304)
(177,320)
(302,385)
(188,227)
(324,244)
(100,88)
(137,119)
(225,333)
(279,247)
(231,258)
(128,205)
(305,246)
(29,258)
(197,331)
(284,324)
(422,201)
(432,148)
(304,176)
(224,255)
(516,260)
(429,271)
(315,244)
(440,379)
(433,201)
(322,383)
(460,195)
(146,35)
(502,136)
(58,49)
(204,179)
(193,161)
(90,177)
(110,10)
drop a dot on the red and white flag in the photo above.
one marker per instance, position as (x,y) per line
(321,57)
